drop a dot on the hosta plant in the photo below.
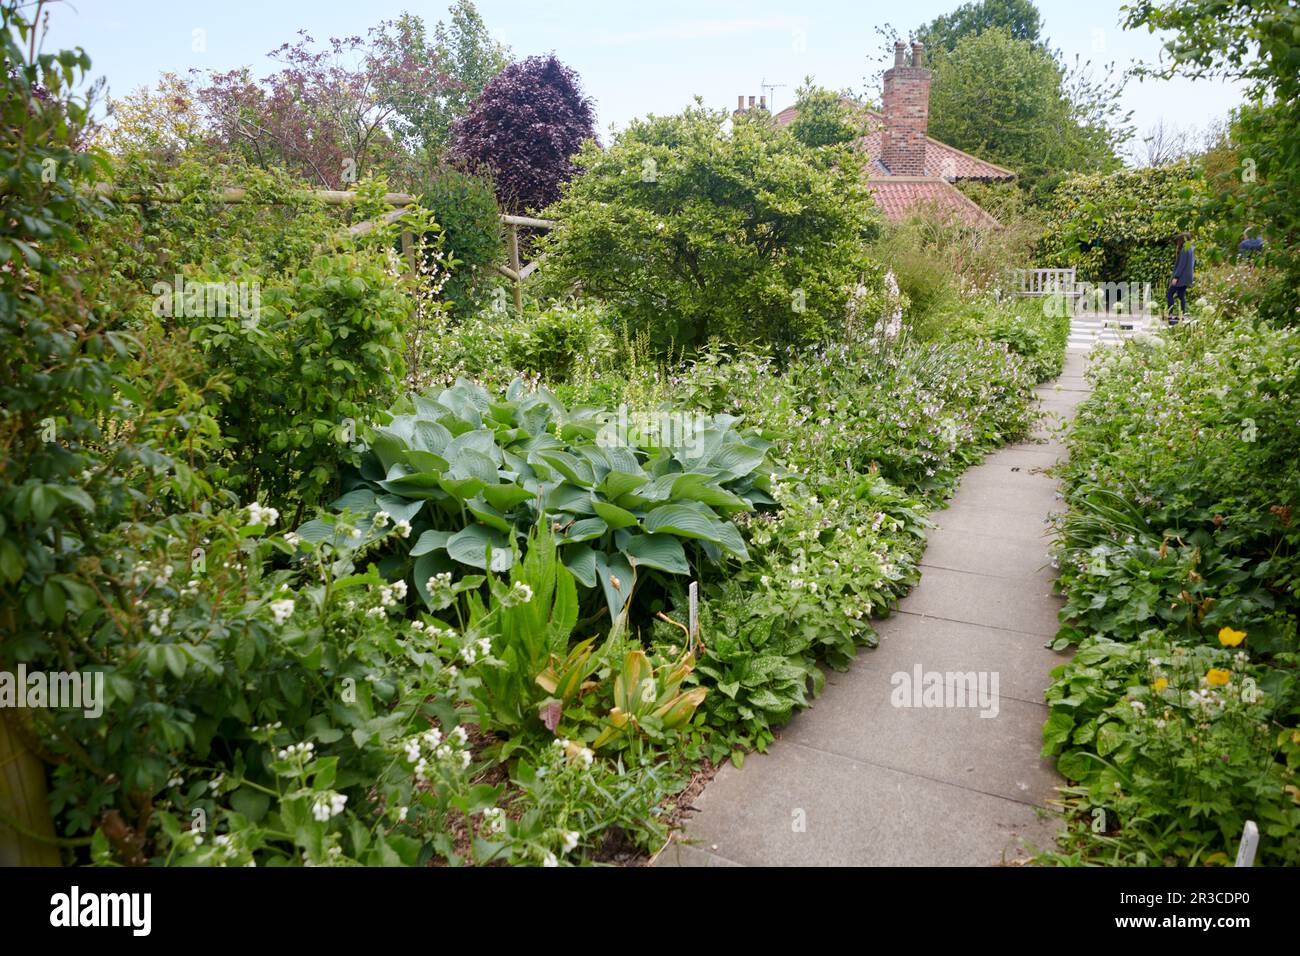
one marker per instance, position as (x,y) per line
(471,473)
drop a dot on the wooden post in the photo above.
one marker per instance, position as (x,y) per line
(408,251)
(516,265)
(23,800)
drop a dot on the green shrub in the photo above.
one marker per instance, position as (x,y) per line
(465,206)
(323,350)
(690,231)
(1179,561)
(555,340)
(1030,329)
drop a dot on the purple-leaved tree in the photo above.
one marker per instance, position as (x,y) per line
(524,129)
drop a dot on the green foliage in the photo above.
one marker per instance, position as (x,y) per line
(1179,563)
(557,340)
(690,231)
(1037,334)
(1020,18)
(324,350)
(1120,227)
(466,208)
(1258,43)
(823,118)
(1032,120)
(631,499)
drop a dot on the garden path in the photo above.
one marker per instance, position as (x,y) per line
(856,780)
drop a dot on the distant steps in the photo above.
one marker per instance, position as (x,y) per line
(1087,330)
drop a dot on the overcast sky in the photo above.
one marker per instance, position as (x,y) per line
(646,56)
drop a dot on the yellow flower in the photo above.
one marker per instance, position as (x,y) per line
(1217,676)
(1160,685)
(1230,638)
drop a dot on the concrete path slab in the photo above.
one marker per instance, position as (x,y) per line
(796,806)
(871,776)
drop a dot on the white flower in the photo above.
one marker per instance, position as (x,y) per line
(586,756)
(524,591)
(401,814)
(257,514)
(495,818)
(292,539)
(282,610)
(382,518)
(484,646)
(458,734)
(570,840)
(550,860)
(403,528)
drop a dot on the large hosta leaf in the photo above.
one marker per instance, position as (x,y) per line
(661,551)
(616,578)
(470,545)
(613,515)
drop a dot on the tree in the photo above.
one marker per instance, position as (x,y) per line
(164,121)
(325,113)
(1257,41)
(1018,17)
(463,51)
(524,129)
(691,231)
(1012,102)
(823,118)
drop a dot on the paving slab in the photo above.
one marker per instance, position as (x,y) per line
(984,554)
(984,741)
(796,806)
(991,522)
(1022,661)
(1024,604)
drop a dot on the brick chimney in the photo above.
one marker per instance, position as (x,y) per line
(907,113)
(741,108)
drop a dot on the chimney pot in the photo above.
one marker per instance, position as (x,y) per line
(762,102)
(751,102)
(918,54)
(898,53)
(740,103)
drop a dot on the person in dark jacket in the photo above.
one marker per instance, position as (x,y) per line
(1249,245)
(1184,266)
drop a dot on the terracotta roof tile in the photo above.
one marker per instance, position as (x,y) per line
(898,197)
(941,160)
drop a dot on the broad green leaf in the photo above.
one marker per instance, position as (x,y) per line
(661,551)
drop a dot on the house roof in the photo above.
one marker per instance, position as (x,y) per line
(941,160)
(944,165)
(898,197)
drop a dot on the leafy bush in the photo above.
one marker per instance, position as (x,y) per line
(325,350)
(465,206)
(1036,333)
(470,475)
(689,231)
(1120,227)
(1178,557)
(555,340)
(525,128)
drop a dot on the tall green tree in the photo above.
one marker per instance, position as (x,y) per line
(466,55)
(824,119)
(1012,102)
(1020,18)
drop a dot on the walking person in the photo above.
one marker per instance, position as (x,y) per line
(1184,268)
